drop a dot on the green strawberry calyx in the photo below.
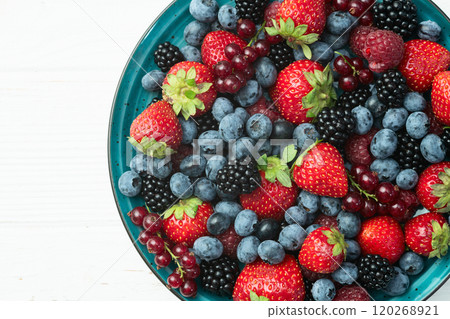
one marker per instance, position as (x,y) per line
(442,191)
(300,159)
(440,239)
(295,35)
(187,207)
(323,93)
(336,239)
(151,147)
(275,169)
(182,92)
(255,297)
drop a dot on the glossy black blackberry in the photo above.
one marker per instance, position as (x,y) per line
(206,122)
(156,193)
(408,154)
(374,272)
(238,179)
(167,55)
(156,99)
(334,126)
(219,276)
(281,55)
(251,9)
(445,137)
(392,88)
(399,16)
(350,100)
(308,289)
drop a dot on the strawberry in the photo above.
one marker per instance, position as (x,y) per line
(276,193)
(320,170)
(323,250)
(383,236)
(260,281)
(213,47)
(156,131)
(433,188)
(189,88)
(440,97)
(421,62)
(186,221)
(428,235)
(302,90)
(352,293)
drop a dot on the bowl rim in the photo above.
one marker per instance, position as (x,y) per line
(135,243)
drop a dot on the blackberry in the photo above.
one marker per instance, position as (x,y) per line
(238,179)
(392,88)
(206,122)
(399,16)
(156,193)
(156,99)
(408,154)
(219,276)
(350,100)
(281,55)
(374,272)
(446,138)
(334,125)
(251,9)
(308,287)
(167,55)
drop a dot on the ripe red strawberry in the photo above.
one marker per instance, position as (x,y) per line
(433,188)
(213,47)
(230,241)
(382,236)
(270,14)
(440,97)
(277,192)
(320,170)
(189,88)
(383,49)
(323,250)
(422,61)
(156,131)
(186,221)
(428,235)
(352,293)
(302,90)
(261,281)
(265,107)
(357,148)
(358,39)
(328,221)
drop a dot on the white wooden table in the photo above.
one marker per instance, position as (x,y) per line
(60,235)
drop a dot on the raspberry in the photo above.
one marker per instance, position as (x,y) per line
(230,240)
(328,221)
(265,107)
(384,50)
(357,148)
(358,39)
(352,293)
(177,158)
(269,14)
(435,126)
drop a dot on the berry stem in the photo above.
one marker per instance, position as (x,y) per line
(255,38)
(174,258)
(360,190)
(355,72)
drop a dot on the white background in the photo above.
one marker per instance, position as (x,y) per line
(61,237)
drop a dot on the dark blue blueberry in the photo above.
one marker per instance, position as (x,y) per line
(407,179)
(384,144)
(247,250)
(271,252)
(205,190)
(417,125)
(267,229)
(292,237)
(305,134)
(411,263)
(189,129)
(429,30)
(321,52)
(264,147)
(432,148)
(296,215)
(193,165)
(130,184)
(210,142)
(242,113)
(395,119)
(282,130)
(349,224)
(312,228)
(339,22)
(214,165)
(231,127)
(335,41)
(208,248)
(204,10)
(353,250)
(228,17)
(414,102)
(363,120)
(221,108)
(243,147)
(308,201)
(191,53)
(259,126)
(160,168)
(232,209)
(216,26)
(346,274)
(374,105)
(195,32)
(218,223)
(323,290)
(153,80)
(299,55)
(398,285)
(139,163)
(249,94)
(330,206)
(386,169)
(181,186)
(245,222)
(266,72)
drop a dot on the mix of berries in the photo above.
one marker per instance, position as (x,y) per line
(290,157)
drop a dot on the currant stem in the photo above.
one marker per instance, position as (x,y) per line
(174,258)
(355,72)
(254,39)
(358,187)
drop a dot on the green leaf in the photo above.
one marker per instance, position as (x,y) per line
(306,51)
(190,94)
(271,176)
(337,250)
(255,297)
(272,31)
(177,108)
(204,87)
(299,31)
(284,178)
(181,74)
(289,153)
(310,38)
(190,212)
(191,82)
(172,79)
(191,74)
(290,26)
(179,213)
(262,162)
(312,80)
(282,25)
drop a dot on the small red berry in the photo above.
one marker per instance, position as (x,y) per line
(152,222)
(188,288)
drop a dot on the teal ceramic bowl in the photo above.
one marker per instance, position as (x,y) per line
(130,100)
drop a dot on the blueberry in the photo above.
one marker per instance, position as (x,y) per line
(346,274)
(247,250)
(210,142)
(353,250)
(395,118)
(214,165)
(363,118)
(432,148)
(417,125)
(242,113)
(411,263)
(323,290)
(414,102)
(267,229)
(282,130)
(130,184)
(339,22)
(312,228)
(265,72)
(299,55)
(193,165)
(398,285)
(221,108)
(308,201)
(271,252)
(195,32)
(259,126)
(189,129)
(218,223)
(160,168)
(181,186)
(191,53)
(204,10)
(153,80)
(228,17)
(407,179)
(231,127)
(321,52)
(374,105)
(139,163)
(305,134)
(296,215)
(205,190)
(243,147)
(245,222)
(292,237)
(249,94)
(228,208)
(335,41)
(216,26)
(264,148)
(383,144)
(349,224)
(386,169)
(429,30)
(208,248)
(330,206)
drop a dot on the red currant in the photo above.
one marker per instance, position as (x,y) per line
(152,222)
(262,47)
(386,192)
(367,19)
(340,5)
(188,288)
(219,84)
(192,273)
(397,209)
(356,8)
(357,170)
(382,209)
(223,69)
(240,75)
(188,260)
(358,63)
(352,202)
(251,54)
(232,84)
(144,236)
(367,3)
(366,76)
(155,245)
(174,280)
(232,49)
(163,260)
(137,215)
(369,208)
(246,29)
(249,72)
(341,66)
(239,62)
(348,83)
(368,181)
(179,250)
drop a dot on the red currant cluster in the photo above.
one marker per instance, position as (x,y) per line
(369,197)
(352,73)
(357,8)
(165,252)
